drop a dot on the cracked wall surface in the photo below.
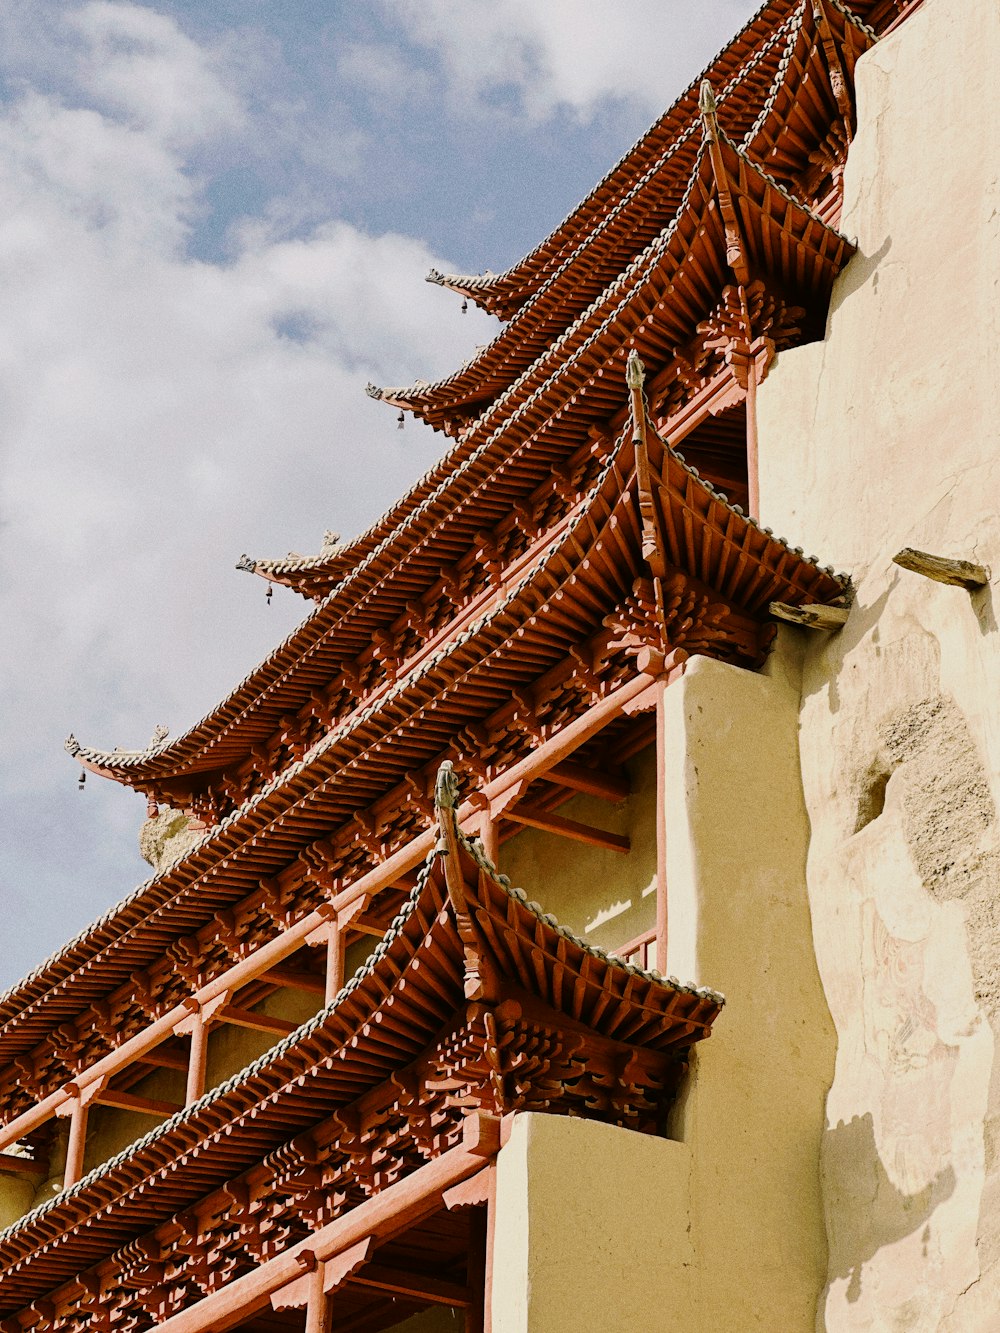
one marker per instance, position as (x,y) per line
(886,435)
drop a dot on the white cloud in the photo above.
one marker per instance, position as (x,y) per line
(561,54)
(159,416)
(139,64)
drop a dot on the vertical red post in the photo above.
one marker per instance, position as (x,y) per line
(334,962)
(197,1061)
(661,827)
(491,1227)
(318,1314)
(77,1143)
(753,467)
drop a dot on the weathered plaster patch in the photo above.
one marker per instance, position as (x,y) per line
(166,837)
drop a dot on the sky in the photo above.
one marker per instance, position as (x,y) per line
(215,221)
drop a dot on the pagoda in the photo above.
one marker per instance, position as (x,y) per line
(274,1087)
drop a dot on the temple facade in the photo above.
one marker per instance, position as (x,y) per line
(586,919)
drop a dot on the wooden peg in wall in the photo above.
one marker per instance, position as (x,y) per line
(960,573)
(813,617)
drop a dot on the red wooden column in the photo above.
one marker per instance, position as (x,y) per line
(331,936)
(479,1193)
(759,355)
(195,1026)
(319,1317)
(76,1109)
(753,463)
(197,1061)
(334,963)
(77,1142)
(661,826)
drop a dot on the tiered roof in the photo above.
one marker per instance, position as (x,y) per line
(362,783)
(801,75)
(378,1082)
(511,614)
(514,591)
(503,294)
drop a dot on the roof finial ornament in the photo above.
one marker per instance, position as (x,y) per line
(446,787)
(245,565)
(708,107)
(71,744)
(635,371)
(160,733)
(331,540)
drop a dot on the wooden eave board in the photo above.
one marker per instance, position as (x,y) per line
(312,578)
(678,276)
(802,107)
(738,558)
(515,435)
(303,1079)
(503,294)
(334,633)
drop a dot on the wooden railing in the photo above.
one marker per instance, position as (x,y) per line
(641,951)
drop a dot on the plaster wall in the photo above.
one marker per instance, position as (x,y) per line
(591,1229)
(887,435)
(751,1113)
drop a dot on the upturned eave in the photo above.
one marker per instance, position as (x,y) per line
(460,904)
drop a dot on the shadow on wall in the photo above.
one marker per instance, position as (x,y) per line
(861,270)
(882,1213)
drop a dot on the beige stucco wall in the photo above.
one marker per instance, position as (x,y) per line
(591,1229)
(752,1110)
(888,435)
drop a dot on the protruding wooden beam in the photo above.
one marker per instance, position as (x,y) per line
(412,1286)
(131,1101)
(567,828)
(813,617)
(608,786)
(161,1059)
(295,980)
(21,1166)
(249,1018)
(959,573)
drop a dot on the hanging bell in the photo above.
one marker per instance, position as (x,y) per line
(82,780)
(269,594)
(465,304)
(400,420)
